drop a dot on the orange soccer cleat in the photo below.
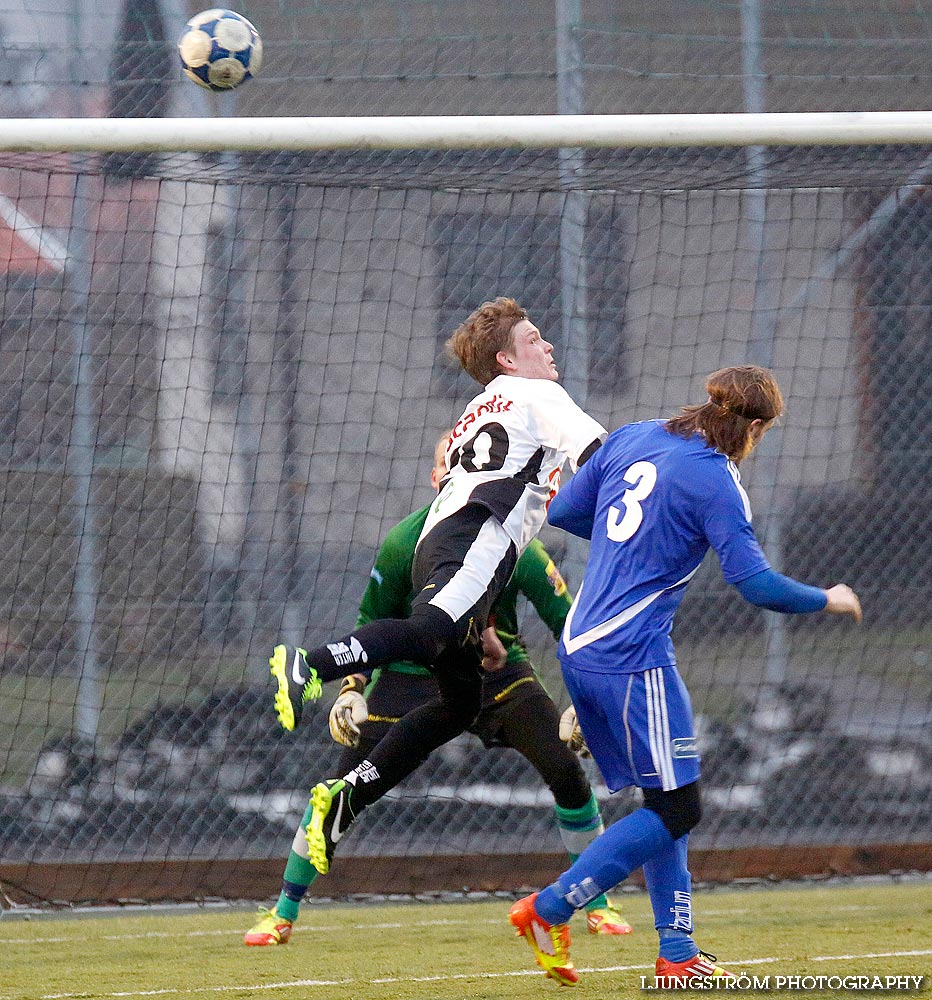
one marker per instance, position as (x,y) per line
(550,942)
(698,967)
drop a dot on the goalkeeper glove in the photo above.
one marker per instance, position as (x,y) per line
(571,734)
(349,711)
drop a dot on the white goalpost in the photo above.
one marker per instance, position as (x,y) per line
(462,132)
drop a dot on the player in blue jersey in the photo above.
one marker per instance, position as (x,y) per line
(652,501)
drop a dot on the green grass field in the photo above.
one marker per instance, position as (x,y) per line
(453,951)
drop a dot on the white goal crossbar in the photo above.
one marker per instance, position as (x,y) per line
(462,132)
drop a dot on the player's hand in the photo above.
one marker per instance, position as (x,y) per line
(493,651)
(349,711)
(571,734)
(842,600)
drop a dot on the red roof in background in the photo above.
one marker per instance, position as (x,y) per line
(24,256)
(35,208)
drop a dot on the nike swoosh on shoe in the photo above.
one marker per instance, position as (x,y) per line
(296,675)
(336,834)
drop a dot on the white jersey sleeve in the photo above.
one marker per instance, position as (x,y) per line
(558,422)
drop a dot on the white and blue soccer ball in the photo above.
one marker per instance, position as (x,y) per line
(220,49)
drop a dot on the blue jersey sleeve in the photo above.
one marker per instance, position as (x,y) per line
(781,593)
(573,508)
(727,525)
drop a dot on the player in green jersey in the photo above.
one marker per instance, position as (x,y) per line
(516,710)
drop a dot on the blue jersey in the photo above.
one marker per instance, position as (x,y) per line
(652,503)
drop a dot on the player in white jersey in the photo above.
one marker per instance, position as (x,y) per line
(652,501)
(507,450)
(504,462)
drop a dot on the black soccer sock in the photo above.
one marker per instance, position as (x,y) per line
(419,638)
(402,750)
(413,738)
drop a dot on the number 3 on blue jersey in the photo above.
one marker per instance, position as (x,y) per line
(643,478)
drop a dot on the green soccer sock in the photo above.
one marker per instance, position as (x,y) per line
(578,828)
(299,875)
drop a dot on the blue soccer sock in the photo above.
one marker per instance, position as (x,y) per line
(669,885)
(578,828)
(677,946)
(608,860)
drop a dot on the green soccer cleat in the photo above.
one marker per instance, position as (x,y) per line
(269,929)
(297,683)
(330,819)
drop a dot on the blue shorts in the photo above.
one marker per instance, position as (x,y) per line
(639,726)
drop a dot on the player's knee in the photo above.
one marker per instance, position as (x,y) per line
(567,781)
(429,631)
(465,718)
(451,718)
(679,810)
(463,703)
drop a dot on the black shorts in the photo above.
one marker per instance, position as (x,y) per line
(397,692)
(462,565)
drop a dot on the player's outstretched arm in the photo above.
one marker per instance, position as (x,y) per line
(842,600)
(777,592)
(563,514)
(589,451)
(573,507)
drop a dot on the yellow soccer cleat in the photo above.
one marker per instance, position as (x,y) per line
(270,928)
(330,819)
(607,920)
(297,683)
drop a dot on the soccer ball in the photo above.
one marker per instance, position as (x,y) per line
(220,49)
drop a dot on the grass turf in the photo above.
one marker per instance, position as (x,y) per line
(453,951)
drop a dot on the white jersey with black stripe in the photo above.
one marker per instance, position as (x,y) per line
(507,450)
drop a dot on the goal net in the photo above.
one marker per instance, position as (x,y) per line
(223,384)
